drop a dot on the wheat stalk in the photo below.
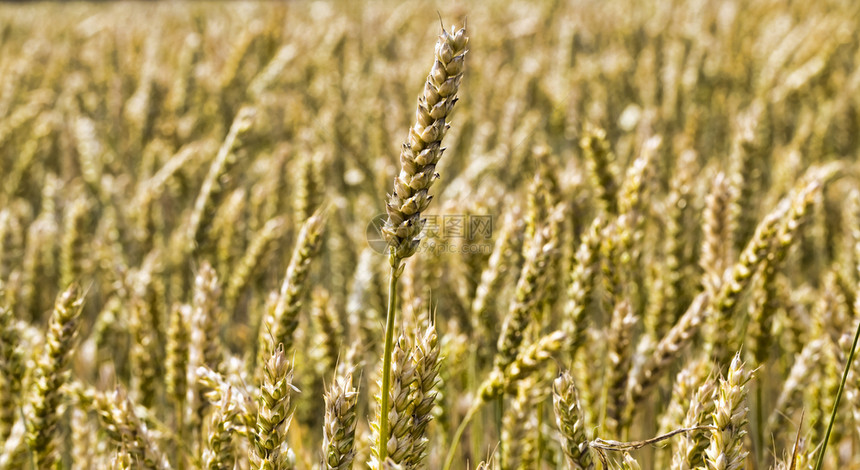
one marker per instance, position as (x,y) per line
(418,159)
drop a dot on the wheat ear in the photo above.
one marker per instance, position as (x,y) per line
(339,427)
(50,374)
(571,423)
(423,147)
(398,446)
(193,235)
(270,450)
(690,452)
(123,427)
(279,325)
(726,450)
(425,361)
(668,349)
(205,347)
(219,453)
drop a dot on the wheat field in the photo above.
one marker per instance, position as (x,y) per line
(218,247)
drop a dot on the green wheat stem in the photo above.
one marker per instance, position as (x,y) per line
(820,459)
(386,356)
(452,449)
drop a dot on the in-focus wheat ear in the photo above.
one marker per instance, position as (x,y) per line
(423,147)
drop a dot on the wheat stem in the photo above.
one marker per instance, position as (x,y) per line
(452,449)
(396,270)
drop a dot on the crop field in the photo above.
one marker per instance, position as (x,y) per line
(411,235)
